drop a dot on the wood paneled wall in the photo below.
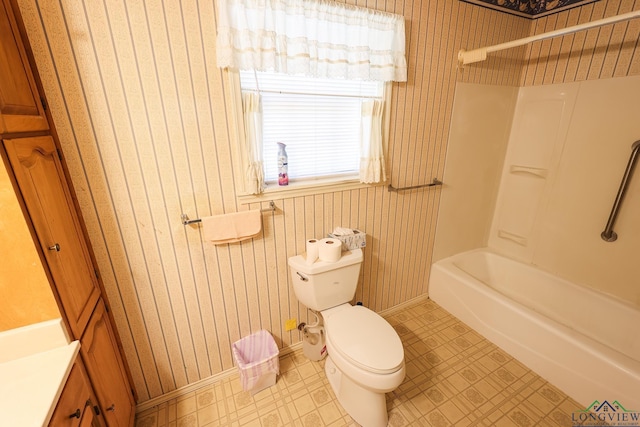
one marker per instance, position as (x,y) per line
(598,53)
(143,115)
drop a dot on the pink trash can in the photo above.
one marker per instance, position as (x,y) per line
(257,358)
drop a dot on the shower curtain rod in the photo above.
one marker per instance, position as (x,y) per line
(480,54)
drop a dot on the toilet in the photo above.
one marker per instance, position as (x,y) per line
(365,355)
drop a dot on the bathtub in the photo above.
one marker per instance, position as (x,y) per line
(582,341)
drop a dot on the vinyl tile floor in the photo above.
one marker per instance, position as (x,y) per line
(455,377)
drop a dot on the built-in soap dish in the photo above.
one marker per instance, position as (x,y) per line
(516,238)
(537,172)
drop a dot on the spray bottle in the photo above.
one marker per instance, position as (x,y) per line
(283,165)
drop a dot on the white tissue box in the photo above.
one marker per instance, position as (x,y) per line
(353,241)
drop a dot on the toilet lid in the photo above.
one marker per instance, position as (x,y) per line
(365,339)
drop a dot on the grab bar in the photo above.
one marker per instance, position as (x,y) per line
(435,182)
(608,235)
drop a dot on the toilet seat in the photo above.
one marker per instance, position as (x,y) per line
(365,339)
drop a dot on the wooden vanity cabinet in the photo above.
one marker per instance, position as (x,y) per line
(21,108)
(99,351)
(38,171)
(30,149)
(77,404)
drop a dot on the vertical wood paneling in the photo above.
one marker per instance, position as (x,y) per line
(504,67)
(566,46)
(597,53)
(144,117)
(588,48)
(604,37)
(543,49)
(554,50)
(630,51)
(612,52)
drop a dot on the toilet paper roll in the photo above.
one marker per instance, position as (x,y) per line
(312,250)
(330,250)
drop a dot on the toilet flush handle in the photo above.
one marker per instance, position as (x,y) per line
(302,276)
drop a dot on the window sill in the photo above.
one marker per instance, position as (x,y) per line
(308,188)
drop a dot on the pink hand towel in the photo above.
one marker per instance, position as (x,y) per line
(233,227)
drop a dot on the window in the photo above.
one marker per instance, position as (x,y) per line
(318,119)
(348,47)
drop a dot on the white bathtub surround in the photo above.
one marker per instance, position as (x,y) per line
(567,149)
(580,340)
(568,146)
(479,134)
(35,362)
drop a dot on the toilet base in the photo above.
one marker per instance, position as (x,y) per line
(366,407)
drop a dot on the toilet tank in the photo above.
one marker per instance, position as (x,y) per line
(323,285)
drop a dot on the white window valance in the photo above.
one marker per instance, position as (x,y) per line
(311,37)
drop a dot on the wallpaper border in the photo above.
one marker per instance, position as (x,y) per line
(524,9)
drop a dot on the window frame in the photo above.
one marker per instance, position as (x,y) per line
(297,188)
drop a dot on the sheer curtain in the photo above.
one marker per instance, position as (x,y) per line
(314,38)
(252,150)
(311,37)
(372,161)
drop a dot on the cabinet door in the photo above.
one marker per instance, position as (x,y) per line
(75,406)
(101,356)
(20,105)
(89,419)
(43,186)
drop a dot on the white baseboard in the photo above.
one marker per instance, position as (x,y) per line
(404,305)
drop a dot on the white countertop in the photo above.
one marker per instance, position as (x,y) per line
(31,384)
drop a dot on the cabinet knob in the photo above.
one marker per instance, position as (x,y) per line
(76,414)
(111,408)
(55,247)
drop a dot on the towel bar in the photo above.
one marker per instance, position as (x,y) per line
(186,221)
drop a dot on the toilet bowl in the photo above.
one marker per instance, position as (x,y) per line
(365,355)
(363,343)
(366,360)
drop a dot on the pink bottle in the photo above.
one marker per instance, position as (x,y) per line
(283,165)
